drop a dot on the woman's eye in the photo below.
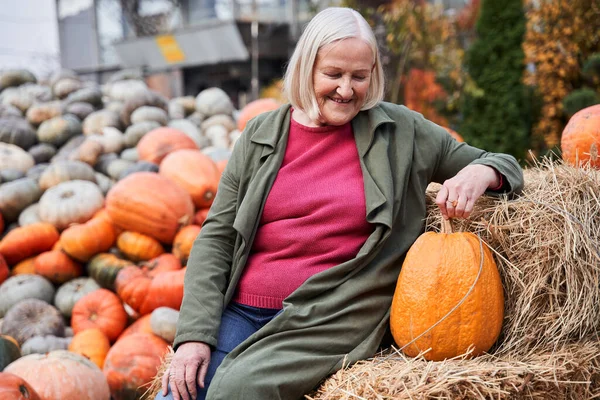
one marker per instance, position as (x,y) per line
(334,75)
(360,78)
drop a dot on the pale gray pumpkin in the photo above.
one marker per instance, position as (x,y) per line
(130,154)
(163,322)
(17,131)
(15,196)
(111,139)
(103,182)
(145,98)
(36,171)
(196,118)
(104,161)
(88,152)
(124,90)
(91,95)
(225,121)
(135,132)
(32,317)
(16,77)
(40,112)
(30,215)
(14,157)
(26,286)
(64,87)
(149,113)
(42,152)
(66,170)
(65,150)
(70,292)
(59,130)
(115,106)
(138,167)
(213,101)
(218,135)
(45,344)
(70,202)
(98,120)
(8,111)
(191,130)
(117,167)
(80,110)
(11,174)
(188,103)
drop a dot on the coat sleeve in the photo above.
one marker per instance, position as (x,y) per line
(209,264)
(452,156)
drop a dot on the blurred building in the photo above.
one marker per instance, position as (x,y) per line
(183,46)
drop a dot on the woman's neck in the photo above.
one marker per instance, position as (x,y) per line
(303,119)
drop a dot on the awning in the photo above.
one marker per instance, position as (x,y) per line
(211,42)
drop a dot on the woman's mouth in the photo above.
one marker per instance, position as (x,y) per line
(340,101)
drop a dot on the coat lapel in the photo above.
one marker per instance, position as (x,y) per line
(271,147)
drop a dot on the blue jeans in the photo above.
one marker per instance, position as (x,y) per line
(238,322)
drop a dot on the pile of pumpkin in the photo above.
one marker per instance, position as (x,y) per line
(103,190)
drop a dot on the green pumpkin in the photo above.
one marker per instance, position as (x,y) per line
(104,267)
(9,351)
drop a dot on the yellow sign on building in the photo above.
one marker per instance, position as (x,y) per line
(170,48)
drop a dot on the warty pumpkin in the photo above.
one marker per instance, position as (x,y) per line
(61,374)
(151,204)
(100,309)
(13,387)
(139,247)
(91,343)
(156,144)
(195,172)
(448,297)
(580,140)
(131,364)
(26,241)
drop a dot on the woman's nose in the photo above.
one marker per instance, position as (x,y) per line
(345,89)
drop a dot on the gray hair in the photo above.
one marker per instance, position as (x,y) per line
(330,25)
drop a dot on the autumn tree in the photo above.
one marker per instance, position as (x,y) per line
(561,36)
(497,116)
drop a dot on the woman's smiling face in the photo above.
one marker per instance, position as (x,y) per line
(341,79)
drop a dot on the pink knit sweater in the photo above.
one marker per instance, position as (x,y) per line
(313,219)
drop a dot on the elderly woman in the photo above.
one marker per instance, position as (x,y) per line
(293,273)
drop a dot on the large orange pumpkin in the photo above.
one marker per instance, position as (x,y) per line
(149,203)
(27,241)
(255,108)
(156,144)
(13,387)
(61,374)
(140,325)
(195,172)
(580,141)
(100,309)
(132,363)
(438,272)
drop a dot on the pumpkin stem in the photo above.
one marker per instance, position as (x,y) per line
(447,226)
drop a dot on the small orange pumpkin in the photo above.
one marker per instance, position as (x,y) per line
(83,241)
(27,241)
(13,387)
(580,141)
(201,215)
(91,343)
(57,267)
(160,208)
(138,247)
(156,144)
(182,244)
(438,272)
(255,108)
(100,309)
(146,291)
(195,172)
(27,266)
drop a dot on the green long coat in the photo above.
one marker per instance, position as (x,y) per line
(340,315)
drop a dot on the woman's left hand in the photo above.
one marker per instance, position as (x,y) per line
(457,196)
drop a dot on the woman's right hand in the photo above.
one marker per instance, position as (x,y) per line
(188,368)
